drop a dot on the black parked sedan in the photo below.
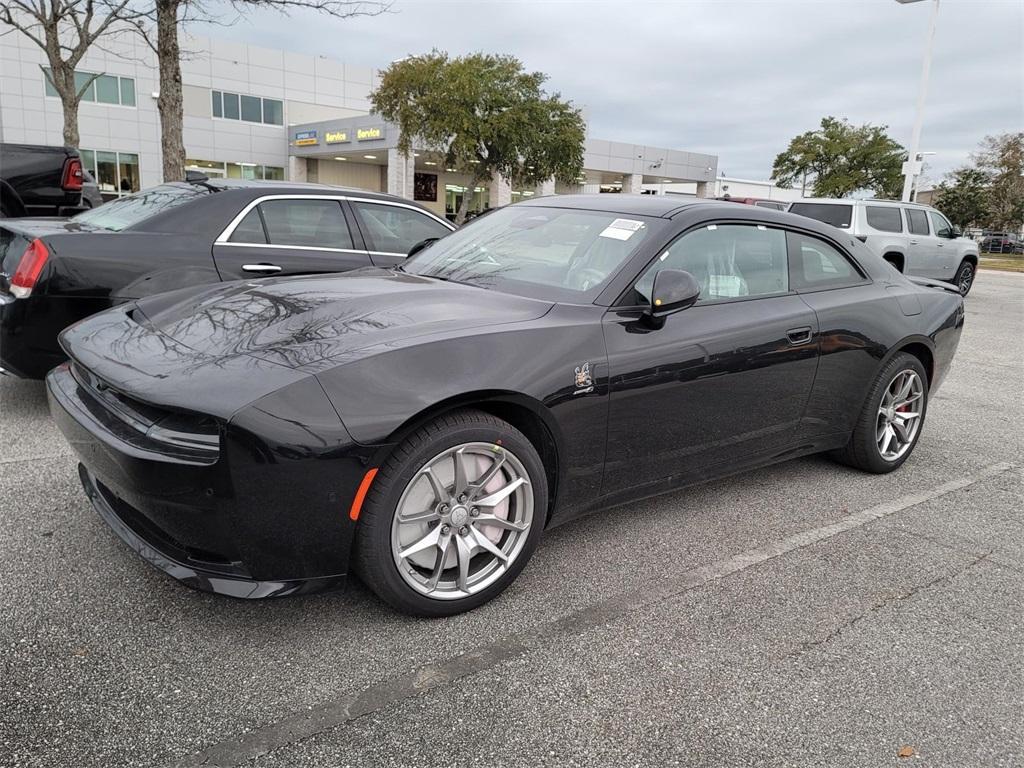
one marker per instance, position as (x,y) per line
(56,271)
(423,425)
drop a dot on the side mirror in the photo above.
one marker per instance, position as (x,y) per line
(674,290)
(421,245)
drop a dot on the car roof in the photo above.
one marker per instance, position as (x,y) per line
(850,201)
(283,186)
(663,206)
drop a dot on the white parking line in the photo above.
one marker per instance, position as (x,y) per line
(245,746)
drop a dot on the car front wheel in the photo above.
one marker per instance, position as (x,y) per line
(453,516)
(964,278)
(890,422)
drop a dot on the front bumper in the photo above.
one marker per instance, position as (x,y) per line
(180,565)
(259,520)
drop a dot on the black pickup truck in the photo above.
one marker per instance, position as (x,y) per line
(39,181)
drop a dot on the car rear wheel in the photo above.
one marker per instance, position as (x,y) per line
(453,516)
(890,422)
(964,278)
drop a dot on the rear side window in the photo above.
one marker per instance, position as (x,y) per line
(917,221)
(306,223)
(250,229)
(884,218)
(773,206)
(836,215)
(816,265)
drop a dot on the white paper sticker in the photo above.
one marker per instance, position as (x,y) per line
(616,234)
(622,229)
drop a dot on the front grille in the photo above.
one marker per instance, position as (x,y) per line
(193,435)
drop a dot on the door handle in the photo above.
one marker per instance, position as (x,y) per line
(913,242)
(265,268)
(941,245)
(799,336)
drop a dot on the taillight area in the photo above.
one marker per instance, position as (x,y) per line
(72,181)
(29,269)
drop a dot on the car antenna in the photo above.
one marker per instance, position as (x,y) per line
(201,179)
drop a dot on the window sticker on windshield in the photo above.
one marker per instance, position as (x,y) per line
(622,229)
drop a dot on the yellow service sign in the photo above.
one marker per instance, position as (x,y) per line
(336,137)
(365,134)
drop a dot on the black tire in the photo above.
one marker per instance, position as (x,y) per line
(964,279)
(373,560)
(862,451)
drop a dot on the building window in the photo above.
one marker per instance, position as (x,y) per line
(218,170)
(103,89)
(249,109)
(116,173)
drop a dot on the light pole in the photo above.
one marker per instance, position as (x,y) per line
(912,168)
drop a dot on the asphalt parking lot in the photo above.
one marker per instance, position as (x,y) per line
(801,615)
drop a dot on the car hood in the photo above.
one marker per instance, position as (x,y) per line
(299,321)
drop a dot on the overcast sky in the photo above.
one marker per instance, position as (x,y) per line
(736,79)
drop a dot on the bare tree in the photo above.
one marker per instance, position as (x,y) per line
(171,15)
(65,30)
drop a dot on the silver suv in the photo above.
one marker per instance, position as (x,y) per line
(914,238)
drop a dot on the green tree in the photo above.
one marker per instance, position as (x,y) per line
(964,197)
(486,115)
(839,159)
(1001,159)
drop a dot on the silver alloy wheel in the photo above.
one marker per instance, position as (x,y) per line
(966,278)
(899,415)
(462,521)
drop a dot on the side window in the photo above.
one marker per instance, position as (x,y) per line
(309,223)
(917,221)
(249,229)
(815,265)
(941,226)
(884,218)
(728,260)
(392,229)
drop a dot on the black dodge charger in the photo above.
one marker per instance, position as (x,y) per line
(56,271)
(422,425)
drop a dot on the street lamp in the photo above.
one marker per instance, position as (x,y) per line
(912,168)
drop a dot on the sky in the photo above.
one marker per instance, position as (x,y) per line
(734,79)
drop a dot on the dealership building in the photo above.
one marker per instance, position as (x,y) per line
(259,113)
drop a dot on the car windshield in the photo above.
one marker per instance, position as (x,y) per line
(829,213)
(130,210)
(560,254)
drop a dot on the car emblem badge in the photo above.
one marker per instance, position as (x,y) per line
(584,381)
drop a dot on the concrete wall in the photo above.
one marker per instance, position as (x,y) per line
(317,87)
(627,159)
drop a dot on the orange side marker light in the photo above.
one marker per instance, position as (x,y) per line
(364,487)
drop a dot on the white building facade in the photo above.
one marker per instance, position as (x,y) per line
(238,102)
(245,108)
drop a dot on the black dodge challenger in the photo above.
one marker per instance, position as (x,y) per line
(422,425)
(56,271)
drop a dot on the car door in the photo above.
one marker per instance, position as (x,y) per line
(391,229)
(288,235)
(947,257)
(719,383)
(923,253)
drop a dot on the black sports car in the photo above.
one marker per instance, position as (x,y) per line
(56,271)
(423,425)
